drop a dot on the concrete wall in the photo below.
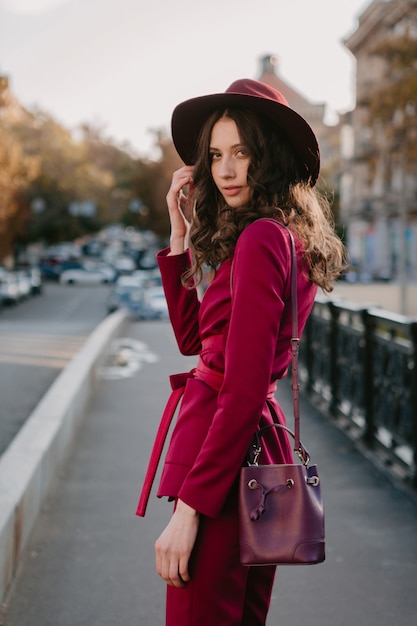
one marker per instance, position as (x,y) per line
(30,463)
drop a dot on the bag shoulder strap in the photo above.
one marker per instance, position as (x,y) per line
(295,346)
(295,340)
(299,448)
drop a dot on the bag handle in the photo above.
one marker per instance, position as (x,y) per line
(300,450)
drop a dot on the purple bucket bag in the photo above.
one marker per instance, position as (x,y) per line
(281,514)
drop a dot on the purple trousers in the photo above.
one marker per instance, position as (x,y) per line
(222,592)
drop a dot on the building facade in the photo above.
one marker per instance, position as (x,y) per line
(327,135)
(378,184)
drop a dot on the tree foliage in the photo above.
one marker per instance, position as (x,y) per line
(17,170)
(394,103)
(46,172)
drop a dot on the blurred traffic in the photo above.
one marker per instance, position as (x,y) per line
(122,258)
(141,293)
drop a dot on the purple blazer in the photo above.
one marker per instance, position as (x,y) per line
(247,308)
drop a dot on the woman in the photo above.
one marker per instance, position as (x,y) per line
(251,166)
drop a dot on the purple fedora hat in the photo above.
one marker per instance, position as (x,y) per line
(189,116)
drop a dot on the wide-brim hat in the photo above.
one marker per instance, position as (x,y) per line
(189,117)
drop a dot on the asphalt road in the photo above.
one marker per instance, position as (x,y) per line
(90,560)
(37,339)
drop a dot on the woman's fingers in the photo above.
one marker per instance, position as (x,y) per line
(179,199)
(168,568)
(174,546)
(183,572)
(180,179)
(186,202)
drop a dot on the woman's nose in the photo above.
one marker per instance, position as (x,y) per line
(226,168)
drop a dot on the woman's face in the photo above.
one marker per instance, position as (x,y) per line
(229,163)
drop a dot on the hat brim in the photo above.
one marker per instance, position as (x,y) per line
(189,117)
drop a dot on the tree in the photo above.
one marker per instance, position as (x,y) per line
(67,176)
(17,170)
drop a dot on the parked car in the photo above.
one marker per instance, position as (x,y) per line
(88,275)
(52,267)
(9,287)
(148,278)
(124,265)
(142,301)
(126,293)
(35,277)
(23,284)
(155,304)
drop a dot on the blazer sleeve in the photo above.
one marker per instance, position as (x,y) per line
(183,304)
(260,275)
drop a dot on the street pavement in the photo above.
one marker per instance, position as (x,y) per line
(90,560)
(391,296)
(38,338)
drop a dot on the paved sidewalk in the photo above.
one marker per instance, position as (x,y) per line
(90,560)
(387,296)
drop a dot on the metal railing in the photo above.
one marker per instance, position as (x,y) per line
(360,365)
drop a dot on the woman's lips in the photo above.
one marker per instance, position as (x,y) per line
(231,191)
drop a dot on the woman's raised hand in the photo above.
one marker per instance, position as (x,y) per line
(180,208)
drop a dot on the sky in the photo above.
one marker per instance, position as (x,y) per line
(123,65)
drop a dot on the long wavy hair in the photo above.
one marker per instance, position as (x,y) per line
(278,191)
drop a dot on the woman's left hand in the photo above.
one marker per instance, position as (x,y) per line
(174,546)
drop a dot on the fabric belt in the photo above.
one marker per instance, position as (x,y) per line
(214,379)
(178,382)
(202,372)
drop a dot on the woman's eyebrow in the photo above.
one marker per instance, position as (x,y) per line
(236,145)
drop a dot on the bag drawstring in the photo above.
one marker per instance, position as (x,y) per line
(259,510)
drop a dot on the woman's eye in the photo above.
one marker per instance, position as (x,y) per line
(214,155)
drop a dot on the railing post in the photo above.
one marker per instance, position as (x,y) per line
(368,383)
(334,376)
(413,407)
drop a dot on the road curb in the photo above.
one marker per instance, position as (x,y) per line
(29,465)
